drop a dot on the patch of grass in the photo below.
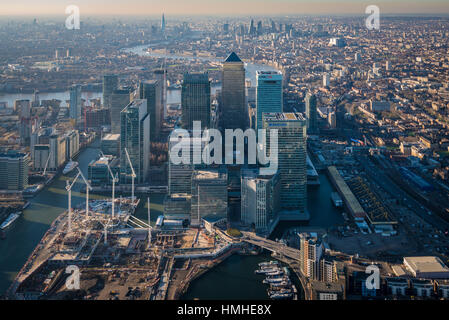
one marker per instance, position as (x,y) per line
(234,233)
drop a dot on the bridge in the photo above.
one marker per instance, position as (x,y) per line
(276,247)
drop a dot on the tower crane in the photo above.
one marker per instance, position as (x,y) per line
(133,175)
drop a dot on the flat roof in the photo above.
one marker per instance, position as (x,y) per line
(112,136)
(426,264)
(349,198)
(283,116)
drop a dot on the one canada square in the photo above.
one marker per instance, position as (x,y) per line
(233,93)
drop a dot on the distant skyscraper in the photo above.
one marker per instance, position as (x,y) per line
(118,100)
(252,28)
(110,83)
(292,155)
(75,103)
(233,111)
(163,24)
(259,27)
(195,100)
(226,28)
(311,113)
(135,137)
(326,80)
(268,94)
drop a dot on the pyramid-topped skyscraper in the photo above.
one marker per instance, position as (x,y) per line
(233,111)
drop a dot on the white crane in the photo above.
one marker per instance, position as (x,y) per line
(46,163)
(114,180)
(133,175)
(69,189)
(87,191)
(149,223)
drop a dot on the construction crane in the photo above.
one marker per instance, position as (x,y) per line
(114,180)
(133,175)
(46,164)
(69,190)
(149,223)
(87,191)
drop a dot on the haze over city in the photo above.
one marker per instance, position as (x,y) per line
(220,7)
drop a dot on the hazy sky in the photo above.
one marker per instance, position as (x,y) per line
(220,7)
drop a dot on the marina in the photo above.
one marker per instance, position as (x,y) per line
(278,280)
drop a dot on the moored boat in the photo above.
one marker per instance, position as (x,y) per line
(69,167)
(10,220)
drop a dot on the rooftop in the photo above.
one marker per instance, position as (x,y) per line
(426,264)
(233,57)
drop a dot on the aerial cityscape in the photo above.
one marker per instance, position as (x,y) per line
(213,156)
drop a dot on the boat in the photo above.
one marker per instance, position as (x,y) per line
(279,296)
(280,291)
(336,199)
(27,204)
(268,263)
(275,273)
(266,270)
(275,280)
(281,284)
(70,166)
(10,220)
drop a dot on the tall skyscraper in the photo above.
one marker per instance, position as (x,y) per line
(110,83)
(135,137)
(195,100)
(311,113)
(292,154)
(311,249)
(24,109)
(118,100)
(150,91)
(209,195)
(233,110)
(259,198)
(161,77)
(268,94)
(180,175)
(75,103)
